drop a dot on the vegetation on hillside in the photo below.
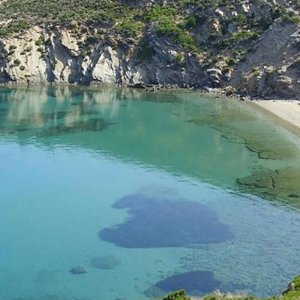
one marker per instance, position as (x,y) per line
(211,37)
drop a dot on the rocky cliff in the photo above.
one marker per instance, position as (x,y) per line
(113,60)
(245,47)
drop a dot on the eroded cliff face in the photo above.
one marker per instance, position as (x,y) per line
(247,48)
(43,55)
(273,69)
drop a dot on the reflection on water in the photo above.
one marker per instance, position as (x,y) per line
(159,177)
(76,127)
(215,133)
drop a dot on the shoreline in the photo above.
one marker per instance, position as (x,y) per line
(285,112)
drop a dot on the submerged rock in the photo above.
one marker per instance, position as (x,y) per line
(77,270)
(195,283)
(155,223)
(258,180)
(105,262)
(294,196)
(281,185)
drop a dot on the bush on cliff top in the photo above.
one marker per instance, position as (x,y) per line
(292,293)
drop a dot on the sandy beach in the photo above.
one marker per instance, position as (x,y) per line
(287,112)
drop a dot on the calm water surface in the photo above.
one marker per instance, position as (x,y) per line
(140,191)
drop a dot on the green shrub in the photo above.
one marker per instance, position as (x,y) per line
(191,22)
(179,295)
(157,12)
(130,27)
(145,49)
(180,57)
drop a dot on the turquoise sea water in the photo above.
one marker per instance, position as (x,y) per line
(105,176)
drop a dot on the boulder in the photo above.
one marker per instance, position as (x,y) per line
(77,270)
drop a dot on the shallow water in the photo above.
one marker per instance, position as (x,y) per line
(77,163)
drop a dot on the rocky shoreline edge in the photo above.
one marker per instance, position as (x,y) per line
(292,292)
(285,112)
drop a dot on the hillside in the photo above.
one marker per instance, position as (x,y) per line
(245,47)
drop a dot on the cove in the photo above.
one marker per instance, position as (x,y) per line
(79,163)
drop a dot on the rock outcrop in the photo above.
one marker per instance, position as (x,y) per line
(273,69)
(249,48)
(43,56)
(291,293)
